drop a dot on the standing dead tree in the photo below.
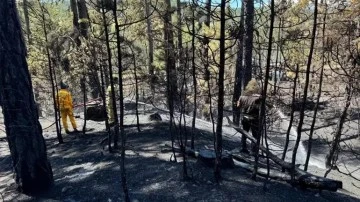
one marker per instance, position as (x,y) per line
(151,45)
(248,40)
(193,66)
(307,79)
(262,119)
(122,130)
(27,19)
(171,76)
(218,137)
(83,87)
(331,158)
(239,68)
(52,73)
(319,90)
(109,60)
(287,139)
(33,171)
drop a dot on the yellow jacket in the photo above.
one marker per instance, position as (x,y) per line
(64,99)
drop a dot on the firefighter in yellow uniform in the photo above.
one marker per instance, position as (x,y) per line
(65,106)
(109,100)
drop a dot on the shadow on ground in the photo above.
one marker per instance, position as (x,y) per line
(83,171)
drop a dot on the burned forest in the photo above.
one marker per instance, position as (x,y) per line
(179,100)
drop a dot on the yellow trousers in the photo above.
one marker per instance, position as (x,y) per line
(67,113)
(110,113)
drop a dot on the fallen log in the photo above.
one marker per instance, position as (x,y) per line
(302,178)
(207,157)
(273,174)
(248,159)
(238,161)
(190,152)
(349,138)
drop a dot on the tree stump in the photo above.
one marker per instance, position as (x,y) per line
(96,113)
(207,157)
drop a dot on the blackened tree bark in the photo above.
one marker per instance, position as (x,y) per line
(27,19)
(80,18)
(109,60)
(207,75)
(74,9)
(287,139)
(193,65)
(307,78)
(335,144)
(122,130)
(264,91)
(179,35)
(171,77)
(169,51)
(276,68)
(83,87)
(103,96)
(248,41)
(239,69)
(23,130)
(83,20)
(136,77)
(52,77)
(151,46)
(319,92)
(218,137)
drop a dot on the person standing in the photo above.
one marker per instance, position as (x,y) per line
(250,103)
(65,105)
(109,100)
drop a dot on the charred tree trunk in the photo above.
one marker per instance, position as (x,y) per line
(103,96)
(137,99)
(74,9)
(83,18)
(330,158)
(122,131)
(116,135)
(151,45)
(179,35)
(239,69)
(207,74)
(182,67)
(218,138)
(119,59)
(193,75)
(277,58)
(182,130)
(169,52)
(248,41)
(83,86)
(302,111)
(27,19)
(171,77)
(51,70)
(287,139)
(136,91)
(318,95)
(264,90)
(23,130)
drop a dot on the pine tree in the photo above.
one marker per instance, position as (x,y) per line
(23,130)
